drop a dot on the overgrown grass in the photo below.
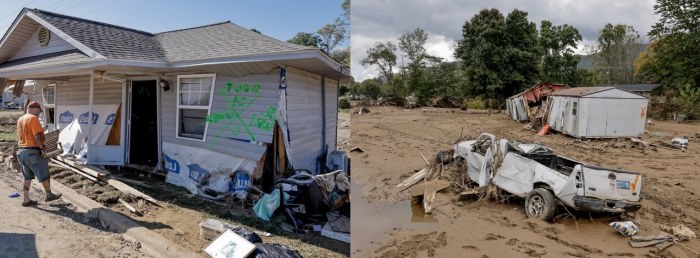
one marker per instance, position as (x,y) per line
(8,136)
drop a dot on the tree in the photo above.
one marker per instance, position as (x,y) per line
(482,51)
(382,55)
(342,56)
(675,61)
(331,35)
(558,59)
(521,69)
(500,54)
(306,39)
(371,88)
(412,44)
(616,49)
(687,99)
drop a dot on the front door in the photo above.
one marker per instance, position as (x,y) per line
(143,140)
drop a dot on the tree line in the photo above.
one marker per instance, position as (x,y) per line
(329,37)
(500,55)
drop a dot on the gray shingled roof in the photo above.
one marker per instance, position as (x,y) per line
(220,40)
(54,59)
(112,42)
(638,87)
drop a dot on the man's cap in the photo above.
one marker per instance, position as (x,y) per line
(34,104)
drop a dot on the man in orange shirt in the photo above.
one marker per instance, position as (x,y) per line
(31,144)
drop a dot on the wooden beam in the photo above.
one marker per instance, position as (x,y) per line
(82,167)
(95,172)
(86,175)
(129,207)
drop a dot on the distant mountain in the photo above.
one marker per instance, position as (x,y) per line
(586,61)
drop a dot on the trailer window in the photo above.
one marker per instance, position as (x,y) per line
(574,110)
(194,94)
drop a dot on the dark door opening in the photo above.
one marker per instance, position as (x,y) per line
(143,143)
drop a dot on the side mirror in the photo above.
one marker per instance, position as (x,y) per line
(473,148)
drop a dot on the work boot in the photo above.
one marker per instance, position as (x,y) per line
(52,196)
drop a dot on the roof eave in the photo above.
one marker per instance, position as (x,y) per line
(79,68)
(305,54)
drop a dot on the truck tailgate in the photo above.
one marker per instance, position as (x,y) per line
(610,184)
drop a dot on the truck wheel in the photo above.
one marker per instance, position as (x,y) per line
(540,204)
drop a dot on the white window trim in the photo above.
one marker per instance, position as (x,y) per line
(208,108)
(47,106)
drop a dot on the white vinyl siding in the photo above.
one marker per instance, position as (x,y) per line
(331,114)
(220,134)
(305,119)
(33,48)
(194,93)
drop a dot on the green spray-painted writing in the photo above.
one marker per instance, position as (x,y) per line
(239,98)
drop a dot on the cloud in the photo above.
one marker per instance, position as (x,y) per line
(382,20)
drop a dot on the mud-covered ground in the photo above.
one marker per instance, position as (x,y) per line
(385,223)
(179,214)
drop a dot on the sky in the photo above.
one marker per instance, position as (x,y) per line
(278,19)
(383,20)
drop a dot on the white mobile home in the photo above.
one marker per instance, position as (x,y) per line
(192,102)
(597,112)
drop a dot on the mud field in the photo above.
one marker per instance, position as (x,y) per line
(386,224)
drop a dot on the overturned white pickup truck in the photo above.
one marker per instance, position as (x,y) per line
(536,173)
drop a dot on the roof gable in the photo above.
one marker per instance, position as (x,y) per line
(597,92)
(221,40)
(110,41)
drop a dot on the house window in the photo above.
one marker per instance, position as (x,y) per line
(49,98)
(575,109)
(194,97)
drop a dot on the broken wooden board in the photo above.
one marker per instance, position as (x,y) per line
(428,199)
(82,167)
(433,185)
(412,180)
(129,207)
(78,171)
(96,173)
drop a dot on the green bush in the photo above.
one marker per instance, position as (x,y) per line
(475,103)
(344,104)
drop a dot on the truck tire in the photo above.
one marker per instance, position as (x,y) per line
(540,204)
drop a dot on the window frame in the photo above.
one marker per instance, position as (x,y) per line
(180,106)
(47,106)
(574,108)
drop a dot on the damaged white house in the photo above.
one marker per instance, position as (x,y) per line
(189,101)
(597,112)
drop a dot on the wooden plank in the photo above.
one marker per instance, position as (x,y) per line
(81,167)
(113,182)
(129,207)
(411,180)
(88,176)
(424,159)
(435,185)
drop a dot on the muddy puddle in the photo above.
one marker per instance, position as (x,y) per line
(370,221)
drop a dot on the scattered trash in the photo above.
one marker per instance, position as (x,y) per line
(357,149)
(544,130)
(274,251)
(229,245)
(328,232)
(649,122)
(681,232)
(680,143)
(267,205)
(657,134)
(626,228)
(338,222)
(361,110)
(661,242)
(13,195)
